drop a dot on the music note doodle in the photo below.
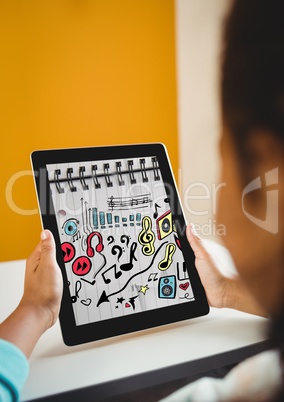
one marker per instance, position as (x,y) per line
(133,202)
(167,261)
(147,237)
(155,215)
(129,265)
(117,274)
(111,203)
(154,276)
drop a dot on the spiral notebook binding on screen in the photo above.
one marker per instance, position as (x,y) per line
(107,174)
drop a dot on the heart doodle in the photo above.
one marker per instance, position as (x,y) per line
(127,305)
(184,286)
(86,302)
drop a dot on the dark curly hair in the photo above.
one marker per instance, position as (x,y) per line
(252,86)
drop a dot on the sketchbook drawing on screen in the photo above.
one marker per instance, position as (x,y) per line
(120,247)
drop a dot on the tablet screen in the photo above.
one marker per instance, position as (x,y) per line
(120,236)
(120,246)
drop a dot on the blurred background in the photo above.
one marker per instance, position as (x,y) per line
(78,73)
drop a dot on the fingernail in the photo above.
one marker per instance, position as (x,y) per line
(44,234)
(193,231)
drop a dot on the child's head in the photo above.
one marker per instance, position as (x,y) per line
(252,146)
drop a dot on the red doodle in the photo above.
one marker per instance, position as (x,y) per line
(68,251)
(184,286)
(81,266)
(177,240)
(99,246)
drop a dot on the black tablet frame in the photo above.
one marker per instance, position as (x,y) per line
(73,334)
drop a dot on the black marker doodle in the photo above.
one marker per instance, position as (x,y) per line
(155,215)
(86,302)
(132,301)
(78,287)
(105,298)
(186,296)
(120,300)
(129,265)
(85,217)
(110,240)
(122,203)
(117,274)
(154,276)
(182,276)
(117,250)
(77,236)
(123,267)
(125,239)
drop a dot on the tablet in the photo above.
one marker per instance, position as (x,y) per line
(119,230)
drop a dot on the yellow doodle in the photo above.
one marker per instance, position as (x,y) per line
(147,237)
(166,262)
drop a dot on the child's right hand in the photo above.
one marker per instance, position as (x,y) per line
(43,281)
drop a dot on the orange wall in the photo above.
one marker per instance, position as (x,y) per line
(78,73)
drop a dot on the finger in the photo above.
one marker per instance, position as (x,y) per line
(195,242)
(47,247)
(34,258)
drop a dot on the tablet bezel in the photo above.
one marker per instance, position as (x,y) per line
(73,334)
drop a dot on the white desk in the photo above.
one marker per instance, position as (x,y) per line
(56,368)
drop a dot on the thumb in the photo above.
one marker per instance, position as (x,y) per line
(47,246)
(195,242)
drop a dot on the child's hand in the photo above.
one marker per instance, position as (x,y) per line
(39,307)
(43,281)
(221,291)
(215,284)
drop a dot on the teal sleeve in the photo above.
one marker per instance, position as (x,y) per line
(14,369)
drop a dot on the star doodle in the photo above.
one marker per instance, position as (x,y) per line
(143,289)
(120,300)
